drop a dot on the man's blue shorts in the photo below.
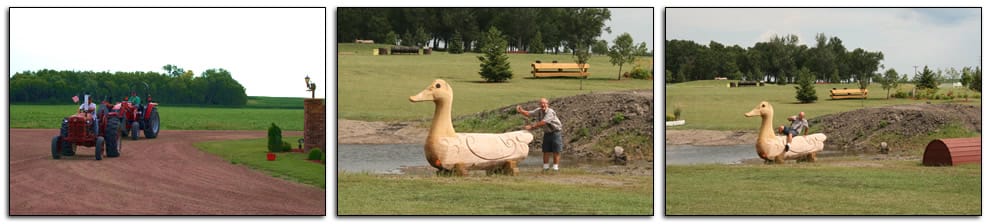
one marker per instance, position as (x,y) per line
(552,142)
(788,130)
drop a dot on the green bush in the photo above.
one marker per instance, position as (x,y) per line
(285,146)
(668,117)
(274,138)
(618,118)
(640,73)
(677,113)
(315,154)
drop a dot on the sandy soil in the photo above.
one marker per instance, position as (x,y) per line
(163,176)
(375,132)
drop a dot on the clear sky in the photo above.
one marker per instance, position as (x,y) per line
(638,22)
(269,51)
(939,38)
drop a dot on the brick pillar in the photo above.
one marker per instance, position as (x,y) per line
(315,124)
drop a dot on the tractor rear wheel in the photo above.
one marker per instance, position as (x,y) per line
(112,137)
(153,125)
(54,147)
(100,141)
(134,128)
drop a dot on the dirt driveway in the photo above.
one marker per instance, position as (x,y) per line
(163,176)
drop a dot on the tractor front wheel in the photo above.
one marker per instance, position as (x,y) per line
(55,145)
(100,141)
(134,130)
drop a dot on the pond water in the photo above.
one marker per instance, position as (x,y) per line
(690,154)
(398,159)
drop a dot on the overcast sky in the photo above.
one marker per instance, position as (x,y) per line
(269,51)
(638,22)
(938,38)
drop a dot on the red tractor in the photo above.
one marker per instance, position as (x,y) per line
(136,117)
(77,130)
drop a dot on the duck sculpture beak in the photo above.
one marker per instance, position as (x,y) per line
(424,95)
(754,112)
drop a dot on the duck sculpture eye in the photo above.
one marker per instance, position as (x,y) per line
(763,105)
(438,85)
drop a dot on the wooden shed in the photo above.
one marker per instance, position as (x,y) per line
(952,151)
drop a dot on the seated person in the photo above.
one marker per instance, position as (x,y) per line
(89,108)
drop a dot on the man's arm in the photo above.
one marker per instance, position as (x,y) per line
(522,111)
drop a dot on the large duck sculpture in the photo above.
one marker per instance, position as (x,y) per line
(456,153)
(770,147)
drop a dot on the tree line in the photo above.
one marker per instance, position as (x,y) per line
(174,86)
(778,60)
(535,30)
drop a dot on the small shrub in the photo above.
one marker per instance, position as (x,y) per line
(640,73)
(677,113)
(315,154)
(584,132)
(618,118)
(274,138)
(285,146)
(668,117)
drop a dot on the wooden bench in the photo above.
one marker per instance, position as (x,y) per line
(846,93)
(558,69)
(745,84)
(358,41)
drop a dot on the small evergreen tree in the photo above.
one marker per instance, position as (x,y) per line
(537,47)
(274,138)
(494,66)
(457,45)
(391,38)
(806,86)
(926,79)
(421,37)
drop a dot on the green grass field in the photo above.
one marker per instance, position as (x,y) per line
(378,87)
(253,153)
(710,105)
(367,194)
(275,102)
(824,188)
(172,118)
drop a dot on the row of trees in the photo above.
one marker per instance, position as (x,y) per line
(175,86)
(777,60)
(926,80)
(534,30)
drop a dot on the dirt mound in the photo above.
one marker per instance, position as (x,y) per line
(594,123)
(853,130)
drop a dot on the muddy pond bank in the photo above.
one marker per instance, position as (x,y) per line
(408,159)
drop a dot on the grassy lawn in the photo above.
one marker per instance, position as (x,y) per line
(172,118)
(378,87)
(824,188)
(367,194)
(253,153)
(710,105)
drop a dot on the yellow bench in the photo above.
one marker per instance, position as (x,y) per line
(558,69)
(845,93)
